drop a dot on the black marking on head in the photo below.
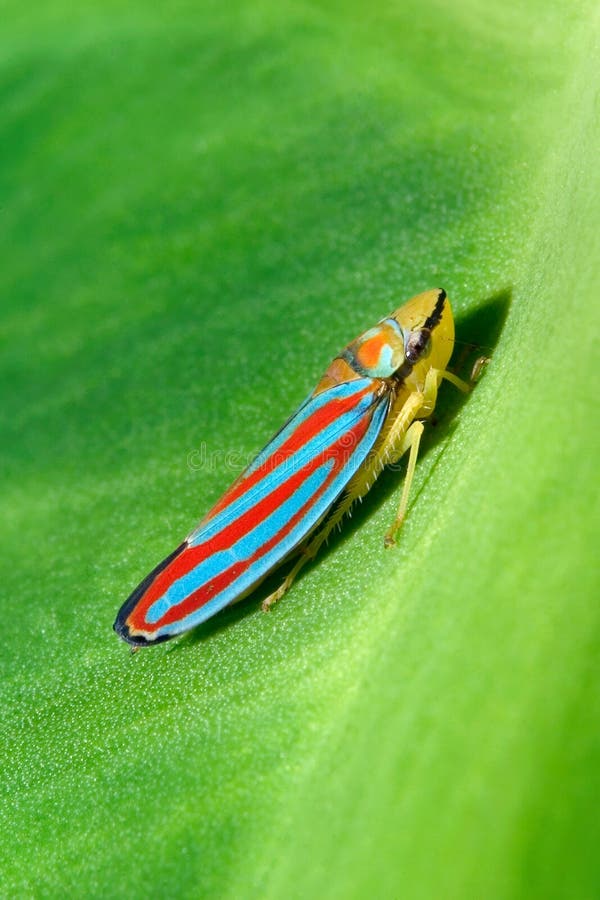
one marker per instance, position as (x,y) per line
(418,340)
(120,624)
(434,319)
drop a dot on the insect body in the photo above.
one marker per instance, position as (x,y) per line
(365,413)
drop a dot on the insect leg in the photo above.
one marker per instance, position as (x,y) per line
(310,550)
(411,442)
(357,488)
(306,554)
(463,386)
(423,405)
(402,436)
(478,367)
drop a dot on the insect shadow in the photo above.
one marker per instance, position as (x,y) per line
(478,333)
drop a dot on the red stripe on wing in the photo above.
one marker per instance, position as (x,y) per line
(193,556)
(317,422)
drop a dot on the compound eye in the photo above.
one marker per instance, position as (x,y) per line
(418,345)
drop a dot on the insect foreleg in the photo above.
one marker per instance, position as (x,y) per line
(422,405)
(403,434)
(411,442)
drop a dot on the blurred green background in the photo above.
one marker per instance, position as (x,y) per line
(200,204)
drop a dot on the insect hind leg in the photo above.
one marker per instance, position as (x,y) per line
(306,555)
(395,445)
(312,546)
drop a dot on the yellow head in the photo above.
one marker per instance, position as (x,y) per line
(417,337)
(428,328)
(420,331)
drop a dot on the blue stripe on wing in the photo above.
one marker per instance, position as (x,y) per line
(373,405)
(284,465)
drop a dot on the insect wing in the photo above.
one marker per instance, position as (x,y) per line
(279,499)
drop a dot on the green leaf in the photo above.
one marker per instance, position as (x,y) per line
(200,205)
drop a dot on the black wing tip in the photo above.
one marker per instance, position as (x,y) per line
(121,628)
(120,625)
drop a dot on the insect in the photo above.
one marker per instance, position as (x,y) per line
(365,413)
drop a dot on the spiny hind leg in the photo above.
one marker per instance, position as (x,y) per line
(397,442)
(356,489)
(391,451)
(271,600)
(308,552)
